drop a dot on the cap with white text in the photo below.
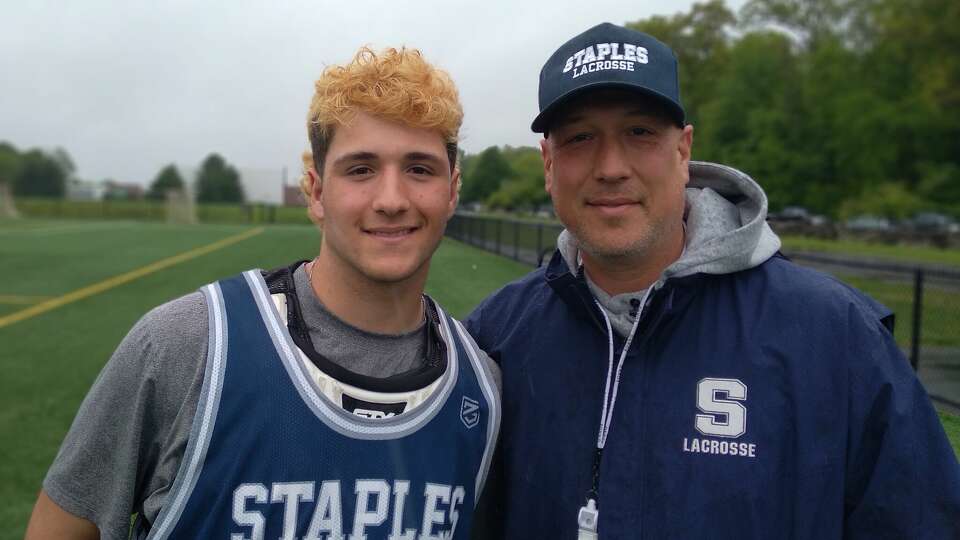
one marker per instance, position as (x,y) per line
(609,56)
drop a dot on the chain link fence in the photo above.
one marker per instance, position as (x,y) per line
(925,298)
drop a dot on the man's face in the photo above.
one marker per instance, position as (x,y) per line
(384,199)
(616,171)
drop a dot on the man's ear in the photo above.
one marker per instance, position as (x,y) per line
(686,143)
(547,164)
(314,203)
(454,192)
(685,148)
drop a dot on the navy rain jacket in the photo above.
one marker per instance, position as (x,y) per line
(767,403)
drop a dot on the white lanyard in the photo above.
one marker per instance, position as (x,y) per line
(589,513)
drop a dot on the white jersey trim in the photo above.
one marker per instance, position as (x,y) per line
(204,420)
(485,379)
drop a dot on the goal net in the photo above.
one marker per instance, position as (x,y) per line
(7,208)
(180,207)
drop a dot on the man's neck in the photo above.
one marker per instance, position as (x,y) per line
(382,308)
(634,272)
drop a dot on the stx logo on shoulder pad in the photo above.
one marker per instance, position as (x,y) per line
(469,412)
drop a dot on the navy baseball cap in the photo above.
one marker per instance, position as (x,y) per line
(609,56)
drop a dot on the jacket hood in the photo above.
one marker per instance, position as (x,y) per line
(726,225)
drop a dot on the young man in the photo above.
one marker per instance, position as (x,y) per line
(669,374)
(330,399)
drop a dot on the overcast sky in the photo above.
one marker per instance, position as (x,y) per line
(129,86)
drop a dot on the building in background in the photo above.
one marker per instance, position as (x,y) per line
(85,190)
(123,191)
(292,196)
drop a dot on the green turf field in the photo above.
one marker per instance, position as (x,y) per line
(909,254)
(49,361)
(941,309)
(97,278)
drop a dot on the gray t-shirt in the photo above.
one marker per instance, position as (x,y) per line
(123,451)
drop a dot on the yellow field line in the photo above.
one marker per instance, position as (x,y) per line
(20,299)
(115,281)
(77,227)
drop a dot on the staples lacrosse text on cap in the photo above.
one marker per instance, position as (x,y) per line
(609,56)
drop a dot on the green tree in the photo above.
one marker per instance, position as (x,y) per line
(168,179)
(850,131)
(9,163)
(881,90)
(701,40)
(40,175)
(916,70)
(518,194)
(751,121)
(217,181)
(485,175)
(524,191)
(63,159)
(889,199)
(940,187)
(810,21)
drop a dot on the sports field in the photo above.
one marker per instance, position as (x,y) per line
(85,283)
(69,291)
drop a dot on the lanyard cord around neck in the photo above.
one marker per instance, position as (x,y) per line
(588,515)
(610,398)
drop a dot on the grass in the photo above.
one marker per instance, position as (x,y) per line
(951,424)
(941,309)
(49,361)
(895,253)
(941,304)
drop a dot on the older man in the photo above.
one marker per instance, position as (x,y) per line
(668,374)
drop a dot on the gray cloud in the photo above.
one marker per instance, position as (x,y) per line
(127,87)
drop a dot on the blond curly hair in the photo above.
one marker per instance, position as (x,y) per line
(398,85)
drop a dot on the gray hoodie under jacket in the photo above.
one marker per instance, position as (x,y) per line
(726,231)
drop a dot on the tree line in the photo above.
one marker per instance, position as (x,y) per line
(41,173)
(842,106)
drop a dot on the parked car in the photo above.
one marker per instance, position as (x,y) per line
(818,220)
(792,213)
(867,222)
(933,222)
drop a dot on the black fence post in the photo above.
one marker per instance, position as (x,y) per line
(499,224)
(516,240)
(539,239)
(483,235)
(917,318)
